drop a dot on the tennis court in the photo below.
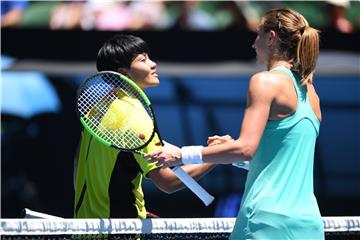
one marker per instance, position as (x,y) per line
(204,76)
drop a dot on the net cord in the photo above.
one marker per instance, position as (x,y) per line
(145,226)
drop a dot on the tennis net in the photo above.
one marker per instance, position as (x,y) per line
(162,228)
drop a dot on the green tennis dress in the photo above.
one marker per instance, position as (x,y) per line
(279,201)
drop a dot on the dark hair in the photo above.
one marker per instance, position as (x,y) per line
(119,51)
(298,41)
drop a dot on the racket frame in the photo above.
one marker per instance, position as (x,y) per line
(138,90)
(194,186)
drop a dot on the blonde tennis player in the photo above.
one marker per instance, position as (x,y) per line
(278,134)
(108,181)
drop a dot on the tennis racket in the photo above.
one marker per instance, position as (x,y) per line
(114,110)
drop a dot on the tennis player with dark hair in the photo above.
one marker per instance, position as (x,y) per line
(278,135)
(108,181)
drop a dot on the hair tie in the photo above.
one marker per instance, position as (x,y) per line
(303,29)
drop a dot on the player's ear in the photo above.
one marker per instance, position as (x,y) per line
(271,37)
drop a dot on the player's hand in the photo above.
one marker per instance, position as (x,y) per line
(214,140)
(168,156)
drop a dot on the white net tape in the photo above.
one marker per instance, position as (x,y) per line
(147,226)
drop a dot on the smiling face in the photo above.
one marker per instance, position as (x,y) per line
(142,71)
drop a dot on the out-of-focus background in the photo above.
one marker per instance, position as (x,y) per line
(204,56)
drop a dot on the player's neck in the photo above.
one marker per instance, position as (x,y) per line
(280,63)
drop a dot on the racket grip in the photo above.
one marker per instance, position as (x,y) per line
(193,185)
(27,213)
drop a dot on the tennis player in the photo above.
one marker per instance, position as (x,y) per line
(278,134)
(108,181)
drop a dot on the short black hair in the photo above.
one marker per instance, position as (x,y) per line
(119,51)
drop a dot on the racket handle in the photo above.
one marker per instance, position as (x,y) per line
(27,213)
(193,185)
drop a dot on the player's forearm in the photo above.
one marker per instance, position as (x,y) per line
(194,170)
(228,153)
(198,171)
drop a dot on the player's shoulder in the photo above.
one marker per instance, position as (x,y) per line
(264,79)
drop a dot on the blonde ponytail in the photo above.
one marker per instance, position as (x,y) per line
(298,42)
(307,54)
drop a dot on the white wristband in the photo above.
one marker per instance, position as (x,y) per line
(191,155)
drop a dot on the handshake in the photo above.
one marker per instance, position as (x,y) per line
(170,155)
(214,140)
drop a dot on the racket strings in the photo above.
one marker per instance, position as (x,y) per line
(89,100)
(131,136)
(116,112)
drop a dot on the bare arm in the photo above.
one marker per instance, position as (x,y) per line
(168,182)
(257,111)
(261,94)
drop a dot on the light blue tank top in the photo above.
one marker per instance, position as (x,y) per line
(279,201)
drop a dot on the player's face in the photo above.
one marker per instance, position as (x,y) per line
(143,71)
(261,46)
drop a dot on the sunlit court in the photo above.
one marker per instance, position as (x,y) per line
(180,120)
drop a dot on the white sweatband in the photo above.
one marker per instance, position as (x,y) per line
(191,155)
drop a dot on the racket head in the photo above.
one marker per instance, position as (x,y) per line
(114,110)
